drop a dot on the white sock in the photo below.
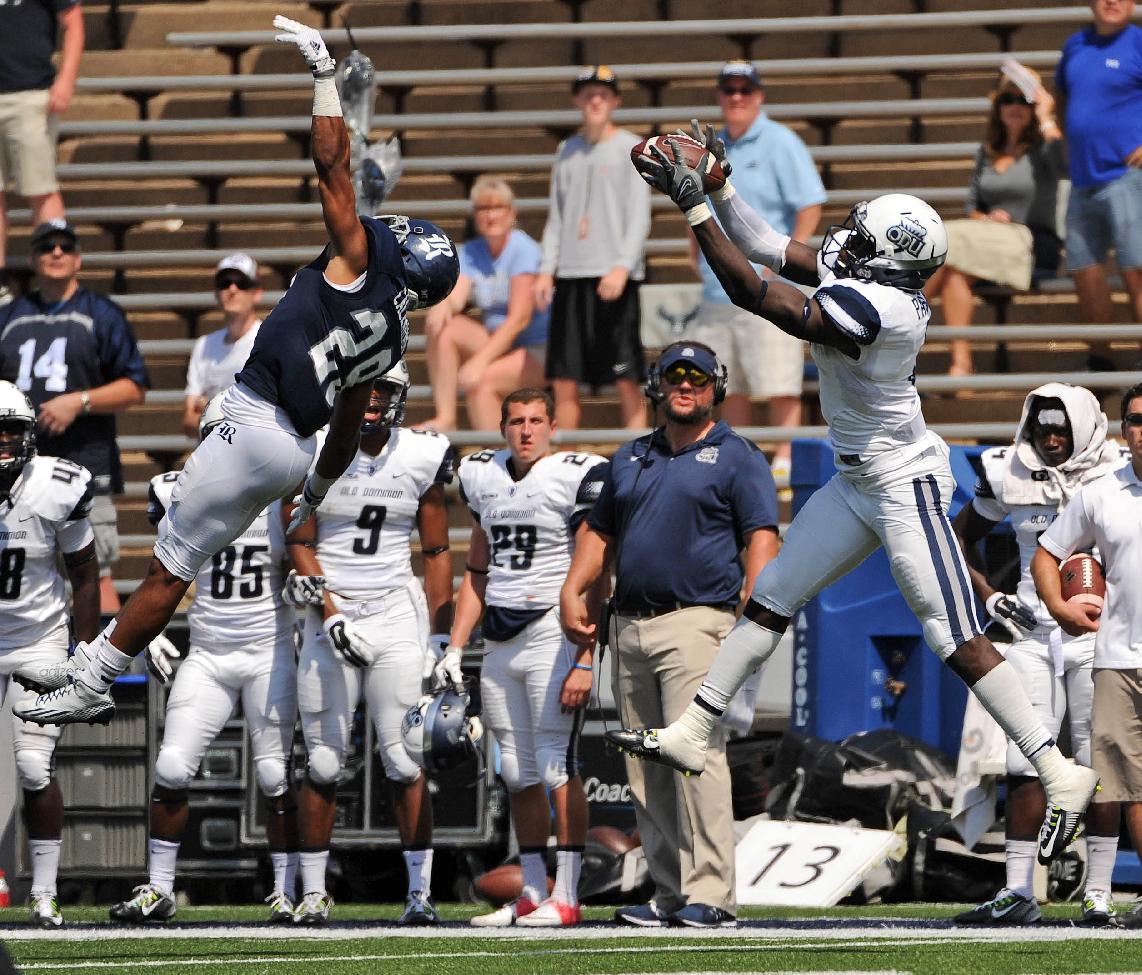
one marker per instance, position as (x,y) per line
(1101,852)
(1001,693)
(282,879)
(418,863)
(534,875)
(1021,866)
(45,864)
(104,663)
(312,866)
(569,861)
(746,647)
(161,857)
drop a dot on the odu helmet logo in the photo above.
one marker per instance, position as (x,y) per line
(908,235)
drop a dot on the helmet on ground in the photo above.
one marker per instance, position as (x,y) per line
(431,262)
(17,431)
(397,380)
(437,732)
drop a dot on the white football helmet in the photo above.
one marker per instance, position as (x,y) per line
(438,734)
(895,239)
(398,381)
(17,432)
(211,416)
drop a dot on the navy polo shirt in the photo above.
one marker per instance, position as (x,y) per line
(680,520)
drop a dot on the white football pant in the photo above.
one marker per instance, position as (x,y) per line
(33,744)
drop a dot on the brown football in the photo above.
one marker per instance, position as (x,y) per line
(1082,579)
(691,152)
(503,884)
(613,839)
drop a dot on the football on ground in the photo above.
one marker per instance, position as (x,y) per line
(691,153)
(1082,579)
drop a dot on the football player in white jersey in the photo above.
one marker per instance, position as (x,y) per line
(1060,445)
(865,323)
(241,649)
(44,508)
(368,631)
(528,502)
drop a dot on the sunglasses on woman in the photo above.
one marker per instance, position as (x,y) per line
(1013,98)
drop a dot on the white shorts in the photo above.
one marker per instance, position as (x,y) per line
(208,686)
(48,652)
(1059,681)
(761,359)
(328,688)
(250,460)
(520,685)
(901,506)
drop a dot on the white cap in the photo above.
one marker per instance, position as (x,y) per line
(244,264)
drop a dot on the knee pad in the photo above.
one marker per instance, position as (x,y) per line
(173,769)
(272,775)
(34,763)
(552,763)
(324,765)
(399,765)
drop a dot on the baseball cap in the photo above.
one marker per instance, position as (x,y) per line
(595,74)
(244,264)
(693,355)
(741,71)
(51,228)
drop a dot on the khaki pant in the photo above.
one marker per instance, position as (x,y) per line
(686,823)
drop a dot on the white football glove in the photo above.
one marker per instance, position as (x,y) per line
(302,591)
(310,44)
(307,503)
(1006,610)
(433,652)
(160,654)
(348,641)
(447,671)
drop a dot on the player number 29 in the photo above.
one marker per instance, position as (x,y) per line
(522,538)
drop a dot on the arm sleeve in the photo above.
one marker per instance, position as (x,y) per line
(587,494)
(74,535)
(753,493)
(850,312)
(1071,531)
(751,232)
(118,351)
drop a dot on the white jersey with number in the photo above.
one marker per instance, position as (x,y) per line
(530,523)
(870,402)
(366,520)
(237,598)
(45,514)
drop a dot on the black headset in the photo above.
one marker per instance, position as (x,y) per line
(653,386)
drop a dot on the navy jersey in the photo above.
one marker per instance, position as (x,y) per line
(77,344)
(319,339)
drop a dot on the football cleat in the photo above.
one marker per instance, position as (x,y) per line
(50,677)
(281,908)
(148,904)
(72,703)
(1098,910)
(313,908)
(552,914)
(419,911)
(43,909)
(1005,909)
(505,916)
(667,746)
(1065,807)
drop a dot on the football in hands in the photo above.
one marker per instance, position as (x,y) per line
(1082,579)
(692,152)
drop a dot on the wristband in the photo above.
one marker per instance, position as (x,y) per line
(586,667)
(475,571)
(326,101)
(723,194)
(697,214)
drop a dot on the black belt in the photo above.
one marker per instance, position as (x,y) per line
(649,612)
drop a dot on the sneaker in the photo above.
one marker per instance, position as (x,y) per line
(1066,804)
(72,703)
(148,904)
(667,746)
(703,916)
(1006,909)
(552,914)
(44,910)
(419,911)
(281,908)
(1098,910)
(642,916)
(505,916)
(313,908)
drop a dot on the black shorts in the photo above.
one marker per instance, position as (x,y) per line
(590,340)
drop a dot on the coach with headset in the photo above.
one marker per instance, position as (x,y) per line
(679,511)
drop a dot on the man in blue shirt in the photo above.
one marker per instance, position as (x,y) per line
(774,173)
(675,510)
(1100,76)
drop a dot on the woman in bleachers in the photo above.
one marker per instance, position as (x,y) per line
(1010,236)
(507,348)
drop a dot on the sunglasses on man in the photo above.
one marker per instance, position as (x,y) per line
(677,374)
(730,90)
(48,246)
(241,283)
(1133,419)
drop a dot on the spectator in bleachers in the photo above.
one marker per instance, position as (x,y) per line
(774,173)
(33,95)
(505,350)
(73,354)
(1100,76)
(1009,236)
(219,355)
(597,225)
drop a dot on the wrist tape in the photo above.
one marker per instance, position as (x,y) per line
(326,101)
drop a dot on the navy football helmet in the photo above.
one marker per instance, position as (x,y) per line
(438,734)
(431,262)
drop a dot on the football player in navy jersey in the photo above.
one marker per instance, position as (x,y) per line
(340,325)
